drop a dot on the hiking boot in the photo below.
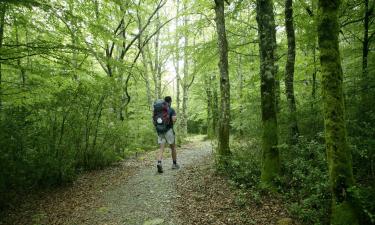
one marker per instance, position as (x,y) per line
(160,168)
(175,166)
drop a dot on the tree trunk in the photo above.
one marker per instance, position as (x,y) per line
(145,64)
(313,91)
(267,45)
(185,88)
(365,50)
(338,153)
(277,89)
(289,70)
(215,106)
(208,86)
(223,145)
(178,77)
(2,25)
(240,92)
(157,61)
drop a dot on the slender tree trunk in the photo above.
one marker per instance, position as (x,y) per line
(277,89)
(178,77)
(185,88)
(240,91)
(215,106)
(338,152)
(289,70)
(74,40)
(267,45)
(223,145)
(208,86)
(365,51)
(313,91)
(157,59)
(177,59)
(3,8)
(145,64)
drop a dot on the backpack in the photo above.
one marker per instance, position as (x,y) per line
(161,116)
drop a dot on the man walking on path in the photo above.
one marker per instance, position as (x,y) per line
(168,137)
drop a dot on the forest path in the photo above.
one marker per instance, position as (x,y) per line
(131,192)
(147,197)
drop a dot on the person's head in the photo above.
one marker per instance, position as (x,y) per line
(168,99)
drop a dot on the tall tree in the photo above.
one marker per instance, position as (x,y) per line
(365,50)
(223,146)
(177,65)
(338,153)
(3,8)
(267,45)
(185,80)
(289,70)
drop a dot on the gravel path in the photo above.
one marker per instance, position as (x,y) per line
(147,198)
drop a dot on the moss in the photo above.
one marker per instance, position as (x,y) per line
(343,214)
(338,153)
(267,45)
(270,155)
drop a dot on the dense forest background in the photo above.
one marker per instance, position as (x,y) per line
(78,79)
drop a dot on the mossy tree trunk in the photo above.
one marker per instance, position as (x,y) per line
(223,145)
(338,153)
(267,45)
(289,71)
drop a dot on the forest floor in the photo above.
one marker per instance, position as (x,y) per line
(133,193)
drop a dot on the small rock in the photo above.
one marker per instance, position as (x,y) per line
(285,221)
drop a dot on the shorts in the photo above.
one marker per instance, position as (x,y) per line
(167,137)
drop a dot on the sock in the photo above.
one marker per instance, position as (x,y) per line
(159,161)
(175,162)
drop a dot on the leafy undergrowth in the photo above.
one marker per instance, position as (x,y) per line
(206,197)
(57,205)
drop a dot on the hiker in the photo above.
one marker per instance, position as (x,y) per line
(164,117)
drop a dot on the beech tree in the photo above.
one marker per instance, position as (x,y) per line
(223,137)
(338,152)
(267,47)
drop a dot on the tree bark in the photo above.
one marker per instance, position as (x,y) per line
(224,121)
(365,51)
(3,8)
(157,61)
(338,152)
(145,64)
(185,88)
(240,91)
(208,84)
(289,70)
(176,61)
(215,106)
(267,45)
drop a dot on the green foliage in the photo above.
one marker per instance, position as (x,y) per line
(244,169)
(305,182)
(61,110)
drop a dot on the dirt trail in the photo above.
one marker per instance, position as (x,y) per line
(148,197)
(130,193)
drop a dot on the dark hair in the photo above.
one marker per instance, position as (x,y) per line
(168,99)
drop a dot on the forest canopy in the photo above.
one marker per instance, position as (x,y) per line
(284,89)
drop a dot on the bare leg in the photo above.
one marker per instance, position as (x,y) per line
(174,153)
(160,153)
